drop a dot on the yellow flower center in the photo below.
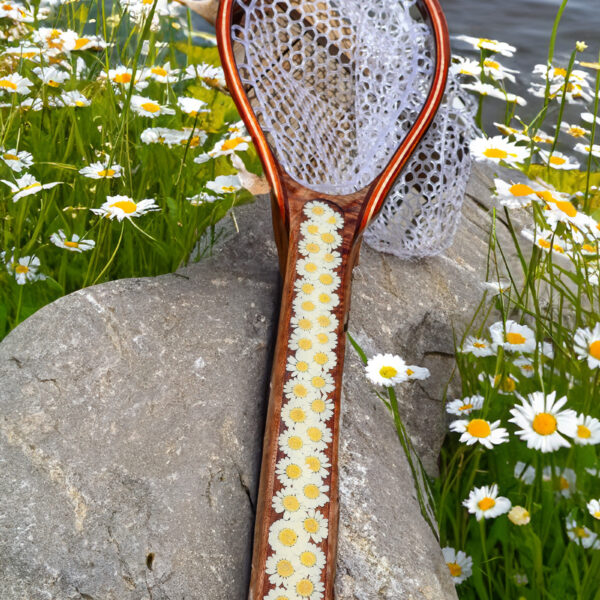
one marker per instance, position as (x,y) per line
(31,186)
(291,503)
(466,407)
(311,491)
(328,257)
(308,288)
(563,484)
(311,525)
(71,244)
(328,238)
(320,358)
(310,267)
(150,107)
(122,78)
(567,208)
(80,43)
(304,344)
(559,72)
(305,587)
(318,210)
(312,248)
(5,83)
(410,372)
(127,206)
(544,423)
(492,64)
(106,172)
(324,321)
(322,338)
(581,532)
(515,338)
(479,428)
(324,298)
(287,537)
(302,366)
(455,569)
(159,71)
(308,306)
(576,131)
(597,514)
(8,156)
(285,568)
(21,269)
(293,471)
(318,382)
(232,143)
(583,432)
(318,406)
(595,349)
(520,189)
(495,153)
(543,243)
(297,415)
(308,559)
(486,503)
(326,279)
(557,160)
(299,390)
(588,248)
(388,372)
(480,345)
(53,83)
(313,229)
(314,433)
(313,463)
(295,442)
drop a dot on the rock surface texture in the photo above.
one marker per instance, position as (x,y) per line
(131,418)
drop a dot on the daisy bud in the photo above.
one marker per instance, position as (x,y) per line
(519,515)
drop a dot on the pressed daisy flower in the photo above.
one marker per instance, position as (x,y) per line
(514,195)
(519,515)
(487,433)
(593,507)
(100,170)
(587,149)
(312,559)
(548,241)
(386,369)
(542,421)
(587,345)
(459,564)
(192,106)
(17,161)
(27,185)
(15,84)
(73,99)
(497,149)
(313,523)
(464,406)
(23,269)
(289,471)
(225,184)
(525,365)
(564,480)
(281,567)
(291,443)
(524,472)
(278,594)
(488,90)
(512,336)
(146,107)
(307,587)
(415,372)
(574,130)
(75,244)
(287,502)
(314,493)
(123,207)
(318,434)
(286,534)
(587,430)
(558,160)
(493,45)
(322,408)
(317,463)
(484,502)
(51,76)
(581,535)
(478,347)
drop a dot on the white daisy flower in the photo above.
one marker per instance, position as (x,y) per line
(314,494)
(52,76)
(318,434)
(56,39)
(492,68)
(15,12)
(513,337)
(164,73)
(322,408)
(484,502)
(100,170)
(525,365)
(319,211)
(90,42)
(225,184)
(415,372)
(281,567)
(317,463)
(286,534)
(286,501)
(27,185)
(75,244)
(505,384)
(542,421)
(546,349)
(230,145)
(487,433)
(587,431)
(313,523)
(493,45)
(201,198)
(464,406)
(278,593)
(17,161)
(124,207)
(312,559)
(581,535)
(291,443)
(211,77)
(289,471)
(24,269)
(192,106)
(575,131)
(564,480)
(123,76)
(587,345)
(502,286)
(593,507)
(548,241)
(514,195)
(519,515)
(477,346)
(386,369)
(73,99)
(488,90)
(307,587)
(498,149)
(594,150)
(15,84)
(146,107)
(588,117)
(459,564)
(524,472)
(558,160)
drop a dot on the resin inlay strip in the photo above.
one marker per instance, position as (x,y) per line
(298,531)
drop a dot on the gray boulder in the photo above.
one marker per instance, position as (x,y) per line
(131,420)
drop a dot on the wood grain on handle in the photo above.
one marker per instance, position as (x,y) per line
(297,513)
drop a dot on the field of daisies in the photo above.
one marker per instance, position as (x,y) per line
(117,139)
(517,502)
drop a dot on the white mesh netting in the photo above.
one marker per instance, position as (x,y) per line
(335,86)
